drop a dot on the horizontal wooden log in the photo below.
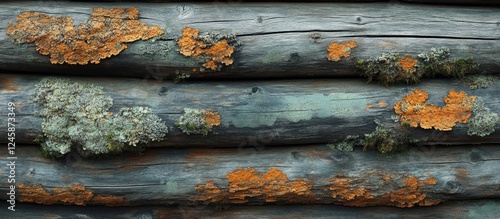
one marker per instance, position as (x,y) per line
(315,174)
(456,2)
(279,39)
(285,112)
(477,209)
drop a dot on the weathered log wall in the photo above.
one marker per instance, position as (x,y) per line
(238,164)
(283,112)
(279,40)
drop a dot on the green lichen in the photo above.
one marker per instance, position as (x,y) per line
(388,68)
(76,117)
(387,139)
(483,121)
(221,207)
(347,144)
(436,62)
(193,122)
(480,81)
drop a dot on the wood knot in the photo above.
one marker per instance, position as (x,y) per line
(453,187)
(260,19)
(475,157)
(341,157)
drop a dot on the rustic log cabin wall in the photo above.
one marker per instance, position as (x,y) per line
(250,109)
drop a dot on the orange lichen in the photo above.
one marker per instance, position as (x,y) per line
(380,104)
(75,194)
(213,55)
(245,184)
(408,195)
(408,64)
(102,36)
(339,50)
(411,194)
(341,187)
(414,110)
(212,118)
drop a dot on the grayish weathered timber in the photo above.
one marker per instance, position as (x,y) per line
(281,112)
(456,2)
(168,176)
(473,209)
(279,39)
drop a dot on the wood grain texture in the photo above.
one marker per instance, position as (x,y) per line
(279,112)
(168,176)
(473,209)
(456,2)
(279,39)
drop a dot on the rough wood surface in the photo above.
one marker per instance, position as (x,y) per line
(253,113)
(456,2)
(279,39)
(313,174)
(474,209)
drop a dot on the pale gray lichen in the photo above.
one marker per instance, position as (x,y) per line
(76,117)
(387,139)
(180,77)
(434,55)
(348,143)
(480,81)
(437,62)
(156,46)
(193,122)
(387,69)
(211,39)
(483,121)
(390,68)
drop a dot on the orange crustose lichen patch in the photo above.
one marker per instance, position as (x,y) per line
(339,50)
(341,187)
(102,36)
(408,195)
(212,118)
(411,194)
(408,64)
(414,110)
(75,194)
(191,46)
(245,184)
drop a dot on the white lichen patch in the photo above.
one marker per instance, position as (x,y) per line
(194,121)
(483,121)
(75,116)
